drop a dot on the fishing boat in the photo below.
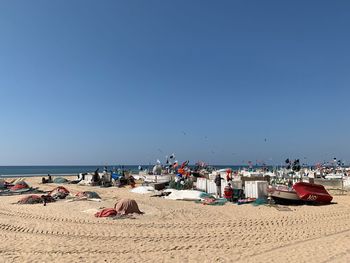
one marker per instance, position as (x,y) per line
(301,192)
(312,192)
(162,178)
(283,195)
(334,176)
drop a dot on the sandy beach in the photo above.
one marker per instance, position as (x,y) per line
(171,231)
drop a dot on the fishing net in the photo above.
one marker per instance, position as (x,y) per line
(107,212)
(59,192)
(31,199)
(127,206)
(60,180)
(88,194)
(259,201)
(208,199)
(19,186)
(181,185)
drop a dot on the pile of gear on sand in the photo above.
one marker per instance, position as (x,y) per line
(104,179)
(125,208)
(35,195)
(59,193)
(16,187)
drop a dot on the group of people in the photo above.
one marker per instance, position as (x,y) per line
(125,180)
(106,179)
(48,180)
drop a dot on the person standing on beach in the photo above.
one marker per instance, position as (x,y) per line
(218,185)
(96,178)
(228,175)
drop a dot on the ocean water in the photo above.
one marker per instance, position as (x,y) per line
(56,170)
(14,171)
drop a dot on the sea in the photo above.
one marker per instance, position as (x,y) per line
(66,170)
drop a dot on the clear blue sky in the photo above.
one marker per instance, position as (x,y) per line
(90,82)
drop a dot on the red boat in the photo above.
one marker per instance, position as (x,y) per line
(312,192)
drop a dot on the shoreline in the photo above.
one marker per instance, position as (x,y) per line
(34,175)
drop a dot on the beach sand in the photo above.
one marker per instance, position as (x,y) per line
(171,231)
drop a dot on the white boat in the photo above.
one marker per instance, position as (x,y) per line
(163,178)
(283,194)
(334,176)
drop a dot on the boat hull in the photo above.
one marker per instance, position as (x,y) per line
(312,192)
(166,178)
(285,197)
